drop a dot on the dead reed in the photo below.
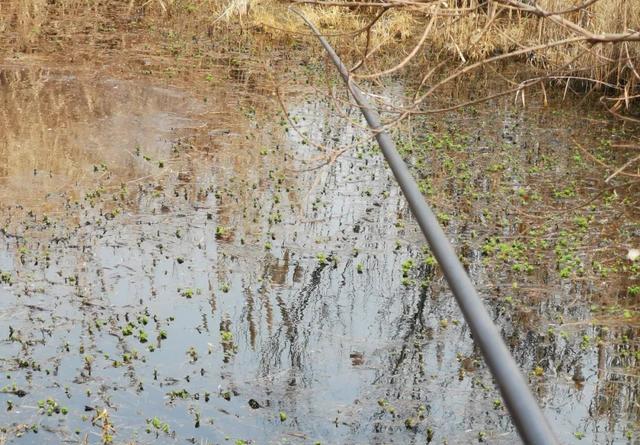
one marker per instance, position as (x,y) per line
(406,34)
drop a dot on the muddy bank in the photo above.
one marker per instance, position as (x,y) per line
(175,270)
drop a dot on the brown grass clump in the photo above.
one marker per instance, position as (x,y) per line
(460,32)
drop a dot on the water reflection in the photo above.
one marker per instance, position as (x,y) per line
(234,298)
(65,131)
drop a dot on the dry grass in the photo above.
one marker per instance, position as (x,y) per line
(24,18)
(465,31)
(499,29)
(468,31)
(608,62)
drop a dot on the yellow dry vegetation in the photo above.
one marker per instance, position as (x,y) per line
(464,31)
(22,19)
(498,29)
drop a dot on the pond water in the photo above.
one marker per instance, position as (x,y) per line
(176,270)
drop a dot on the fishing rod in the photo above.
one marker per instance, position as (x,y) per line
(523,408)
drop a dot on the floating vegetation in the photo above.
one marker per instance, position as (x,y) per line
(212,270)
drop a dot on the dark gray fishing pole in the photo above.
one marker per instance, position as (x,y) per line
(525,412)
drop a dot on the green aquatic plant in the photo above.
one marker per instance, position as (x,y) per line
(6,277)
(50,407)
(226,336)
(127,329)
(406,266)
(322,258)
(158,425)
(221,232)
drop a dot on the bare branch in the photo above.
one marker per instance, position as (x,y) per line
(631,36)
(406,59)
